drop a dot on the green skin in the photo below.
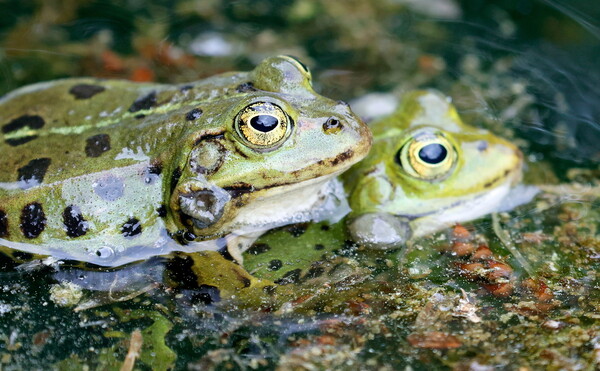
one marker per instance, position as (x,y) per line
(405,205)
(169,175)
(384,192)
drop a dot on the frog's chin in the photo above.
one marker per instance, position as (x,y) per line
(502,198)
(314,200)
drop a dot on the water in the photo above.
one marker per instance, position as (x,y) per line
(526,70)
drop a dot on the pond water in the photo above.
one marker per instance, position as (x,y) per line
(517,290)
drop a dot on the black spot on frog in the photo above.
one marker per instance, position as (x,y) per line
(33,173)
(75,224)
(270,290)
(175,178)
(297,230)
(3,224)
(314,272)
(258,248)
(275,265)
(96,145)
(22,256)
(152,173)
(155,168)
(25,121)
(22,140)
(85,91)
(33,220)
(245,87)
(193,114)
(31,121)
(143,103)
(131,228)
(162,211)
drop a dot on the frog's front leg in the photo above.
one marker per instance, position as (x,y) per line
(237,244)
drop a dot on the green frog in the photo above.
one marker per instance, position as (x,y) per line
(109,172)
(427,170)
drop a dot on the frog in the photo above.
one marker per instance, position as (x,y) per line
(109,172)
(428,170)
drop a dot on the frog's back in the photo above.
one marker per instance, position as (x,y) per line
(73,122)
(81,154)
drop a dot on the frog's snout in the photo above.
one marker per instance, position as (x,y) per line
(513,163)
(365,139)
(362,131)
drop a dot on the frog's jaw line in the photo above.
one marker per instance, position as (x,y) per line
(485,203)
(283,205)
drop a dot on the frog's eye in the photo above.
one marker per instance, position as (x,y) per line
(428,156)
(263,125)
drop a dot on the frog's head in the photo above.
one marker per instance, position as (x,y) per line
(261,155)
(428,167)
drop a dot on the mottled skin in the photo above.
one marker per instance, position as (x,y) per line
(398,191)
(298,253)
(108,171)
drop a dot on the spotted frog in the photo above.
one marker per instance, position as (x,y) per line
(427,170)
(109,172)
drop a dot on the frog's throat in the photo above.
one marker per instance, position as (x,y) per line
(286,204)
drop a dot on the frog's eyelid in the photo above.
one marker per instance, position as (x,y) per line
(295,59)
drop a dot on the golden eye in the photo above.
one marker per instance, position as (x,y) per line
(427,155)
(263,125)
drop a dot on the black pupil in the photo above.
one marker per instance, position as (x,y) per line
(264,123)
(433,153)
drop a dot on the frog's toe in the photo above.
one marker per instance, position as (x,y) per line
(379,230)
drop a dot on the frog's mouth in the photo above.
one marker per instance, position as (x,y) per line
(316,200)
(502,198)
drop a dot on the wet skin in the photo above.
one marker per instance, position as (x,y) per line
(427,170)
(110,171)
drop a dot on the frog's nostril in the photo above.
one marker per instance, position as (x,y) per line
(332,126)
